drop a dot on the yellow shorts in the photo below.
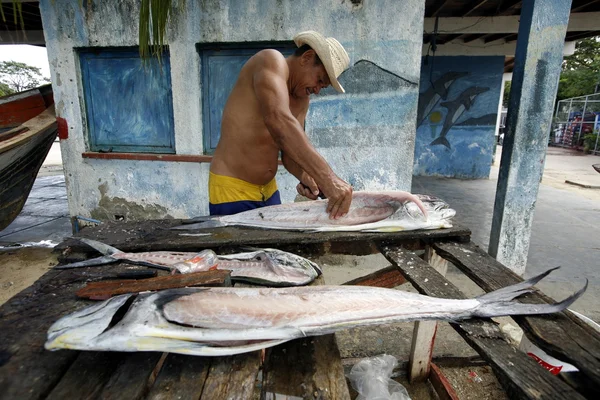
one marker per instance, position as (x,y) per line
(228,195)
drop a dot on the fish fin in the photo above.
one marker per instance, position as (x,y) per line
(93,262)
(441,140)
(498,303)
(99,246)
(202,218)
(213,223)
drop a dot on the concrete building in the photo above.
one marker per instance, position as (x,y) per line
(423,94)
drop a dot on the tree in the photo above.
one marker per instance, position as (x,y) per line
(19,76)
(5,90)
(581,71)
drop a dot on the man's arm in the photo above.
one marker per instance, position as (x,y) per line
(270,86)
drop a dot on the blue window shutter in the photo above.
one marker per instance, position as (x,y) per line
(129,106)
(221,67)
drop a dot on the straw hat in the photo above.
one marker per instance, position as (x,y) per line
(330,51)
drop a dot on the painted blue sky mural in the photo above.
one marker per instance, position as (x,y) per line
(456,117)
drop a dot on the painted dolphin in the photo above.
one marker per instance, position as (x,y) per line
(439,89)
(456,108)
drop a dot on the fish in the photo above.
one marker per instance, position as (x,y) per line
(386,211)
(456,108)
(262,266)
(225,321)
(438,90)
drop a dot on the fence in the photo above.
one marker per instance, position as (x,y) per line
(576,123)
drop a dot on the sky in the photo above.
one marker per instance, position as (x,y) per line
(35,56)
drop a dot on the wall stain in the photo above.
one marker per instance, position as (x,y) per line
(113,208)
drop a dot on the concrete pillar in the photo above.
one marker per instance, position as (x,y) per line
(538,59)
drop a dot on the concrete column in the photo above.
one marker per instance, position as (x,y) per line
(538,59)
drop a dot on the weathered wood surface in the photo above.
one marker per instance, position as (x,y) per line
(440,384)
(421,348)
(106,289)
(561,335)
(519,374)
(181,377)
(308,368)
(27,370)
(156,235)
(388,277)
(232,377)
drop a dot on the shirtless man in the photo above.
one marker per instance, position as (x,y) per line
(264,115)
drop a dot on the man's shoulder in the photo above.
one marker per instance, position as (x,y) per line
(271,59)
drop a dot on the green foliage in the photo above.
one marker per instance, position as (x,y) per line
(580,71)
(5,89)
(153,19)
(19,76)
(589,141)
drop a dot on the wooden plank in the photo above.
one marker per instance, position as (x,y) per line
(519,374)
(387,277)
(305,368)
(181,377)
(232,377)
(424,332)
(27,370)
(106,289)
(561,335)
(131,379)
(440,384)
(421,349)
(155,235)
(87,376)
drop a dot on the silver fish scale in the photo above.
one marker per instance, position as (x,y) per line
(165,258)
(365,208)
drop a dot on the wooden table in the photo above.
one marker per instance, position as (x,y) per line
(306,368)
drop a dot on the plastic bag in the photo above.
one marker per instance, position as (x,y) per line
(370,377)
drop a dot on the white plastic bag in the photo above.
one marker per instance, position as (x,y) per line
(370,377)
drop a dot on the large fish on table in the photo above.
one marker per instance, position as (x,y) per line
(224,321)
(369,211)
(263,266)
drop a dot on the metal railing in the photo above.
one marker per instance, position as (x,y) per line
(576,124)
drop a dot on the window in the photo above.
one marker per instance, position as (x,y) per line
(128,104)
(221,65)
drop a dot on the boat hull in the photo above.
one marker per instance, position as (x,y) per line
(21,157)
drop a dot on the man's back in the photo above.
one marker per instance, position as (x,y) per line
(246,149)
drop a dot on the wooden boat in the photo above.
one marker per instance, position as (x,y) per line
(24,145)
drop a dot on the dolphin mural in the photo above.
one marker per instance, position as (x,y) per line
(456,109)
(437,91)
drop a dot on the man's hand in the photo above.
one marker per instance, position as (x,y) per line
(339,194)
(308,187)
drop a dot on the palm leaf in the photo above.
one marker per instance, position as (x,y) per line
(153,20)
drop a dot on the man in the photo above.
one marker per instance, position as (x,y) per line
(264,115)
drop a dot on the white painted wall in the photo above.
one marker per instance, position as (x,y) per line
(386,32)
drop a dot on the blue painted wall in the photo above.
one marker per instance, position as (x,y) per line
(456,116)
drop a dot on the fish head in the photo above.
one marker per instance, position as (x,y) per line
(290,263)
(437,209)
(85,325)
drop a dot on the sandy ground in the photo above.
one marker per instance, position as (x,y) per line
(20,268)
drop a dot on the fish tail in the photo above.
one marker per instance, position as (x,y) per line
(209,223)
(499,302)
(441,140)
(89,263)
(100,247)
